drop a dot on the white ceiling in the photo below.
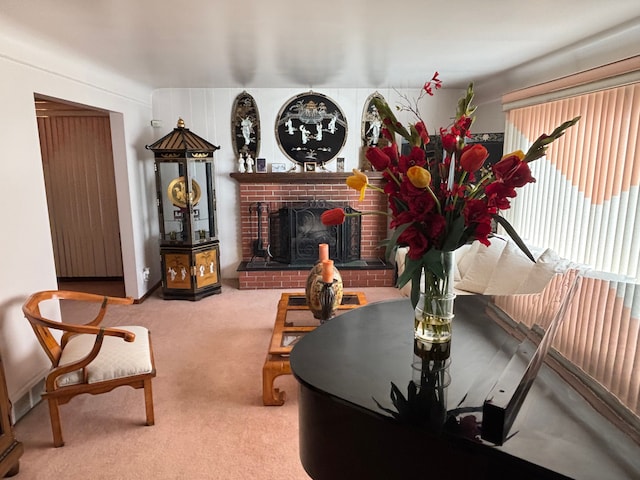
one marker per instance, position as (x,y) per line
(327,43)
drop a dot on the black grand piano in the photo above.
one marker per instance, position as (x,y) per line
(355,371)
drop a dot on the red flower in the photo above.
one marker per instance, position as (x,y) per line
(378,159)
(482,232)
(392,152)
(478,215)
(461,127)
(420,205)
(435,225)
(422,131)
(473,156)
(512,171)
(416,157)
(335,216)
(435,82)
(401,218)
(498,192)
(476,211)
(417,242)
(449,140)
(387,134)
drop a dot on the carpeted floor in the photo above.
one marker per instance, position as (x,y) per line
(210,421)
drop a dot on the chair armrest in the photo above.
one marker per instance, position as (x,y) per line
(32,311)
(92,298)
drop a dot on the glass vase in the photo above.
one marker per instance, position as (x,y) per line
(431,379)
(434,308)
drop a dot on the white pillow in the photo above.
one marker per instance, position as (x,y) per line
(460,253)
(483,262)
(541,273)
(511,270)
(464,261)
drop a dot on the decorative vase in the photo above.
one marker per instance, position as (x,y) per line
(315,286)
(434,309)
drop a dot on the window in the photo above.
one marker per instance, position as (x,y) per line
(585,202)
(585,206)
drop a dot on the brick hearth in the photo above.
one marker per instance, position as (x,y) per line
(278,189)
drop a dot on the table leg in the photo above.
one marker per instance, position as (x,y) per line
(274,366)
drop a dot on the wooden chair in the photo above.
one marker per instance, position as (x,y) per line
(90,358)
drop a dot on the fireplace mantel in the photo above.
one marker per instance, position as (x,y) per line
(301,177)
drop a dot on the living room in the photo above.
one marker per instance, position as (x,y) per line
(54,64)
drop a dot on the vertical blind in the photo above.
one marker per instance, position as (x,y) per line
(600,333)
(78,170)
(584,203)
(585,206)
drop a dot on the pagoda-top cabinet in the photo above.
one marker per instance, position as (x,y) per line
(186,200)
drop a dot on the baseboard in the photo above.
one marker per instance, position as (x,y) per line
(27,401)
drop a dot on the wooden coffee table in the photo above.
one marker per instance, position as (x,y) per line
(293,321)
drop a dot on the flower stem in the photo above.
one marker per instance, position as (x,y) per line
(435,197)
(373,187)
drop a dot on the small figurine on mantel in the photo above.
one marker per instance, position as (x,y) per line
(249,162)
(241,168)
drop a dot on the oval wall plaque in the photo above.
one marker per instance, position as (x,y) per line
(245,126)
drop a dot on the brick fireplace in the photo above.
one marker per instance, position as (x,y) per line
(262,194)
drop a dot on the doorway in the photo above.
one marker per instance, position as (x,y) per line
(77,161)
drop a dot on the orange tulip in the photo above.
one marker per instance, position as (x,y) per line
(419,177)
(517,153)
(358,181)
(473,157)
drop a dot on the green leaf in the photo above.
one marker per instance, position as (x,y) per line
(398,399)
(416,279)
(432,261)
(539,147)
(464,104)
(415,136)
(410,268)
(393,413)
(454,237)
(514,235)
(386,113)
(393,241)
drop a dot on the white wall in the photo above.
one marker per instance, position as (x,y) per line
(25,238)
(207,112)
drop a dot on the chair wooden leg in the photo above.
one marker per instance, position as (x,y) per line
(56,427)
(148,402)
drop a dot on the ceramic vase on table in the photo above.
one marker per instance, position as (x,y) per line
(434,309)
(316,292)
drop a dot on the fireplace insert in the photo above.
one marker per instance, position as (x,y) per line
(296,231)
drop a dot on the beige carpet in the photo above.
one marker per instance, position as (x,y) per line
(210,421)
